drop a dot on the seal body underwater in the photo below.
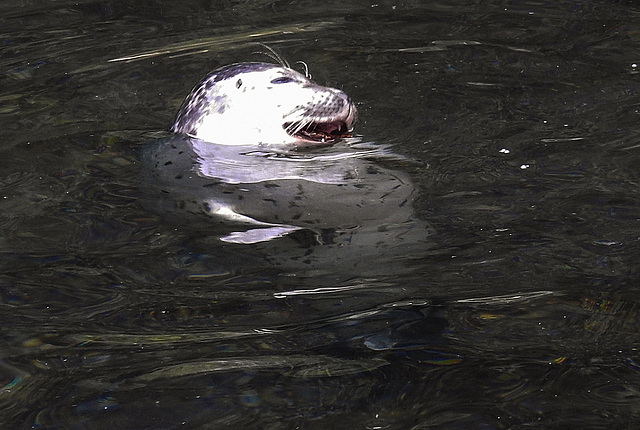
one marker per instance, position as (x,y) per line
(233,172)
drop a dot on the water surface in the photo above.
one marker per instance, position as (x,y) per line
(516,129)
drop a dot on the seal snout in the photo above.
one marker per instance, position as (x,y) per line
(328,117)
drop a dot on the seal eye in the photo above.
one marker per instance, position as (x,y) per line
(239,83)
(282,80)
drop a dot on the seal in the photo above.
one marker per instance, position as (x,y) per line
(231,173)
(264,104)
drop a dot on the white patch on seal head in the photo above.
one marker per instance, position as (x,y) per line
(263,103)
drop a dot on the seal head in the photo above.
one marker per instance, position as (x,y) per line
(264,103)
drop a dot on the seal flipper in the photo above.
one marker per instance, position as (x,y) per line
(258,235)
(254,235)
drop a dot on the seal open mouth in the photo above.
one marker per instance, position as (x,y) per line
(322,129)
(321,132)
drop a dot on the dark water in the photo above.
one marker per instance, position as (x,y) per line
(519,310)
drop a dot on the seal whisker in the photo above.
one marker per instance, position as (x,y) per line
(298,125)
(306,69)
(273,55)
